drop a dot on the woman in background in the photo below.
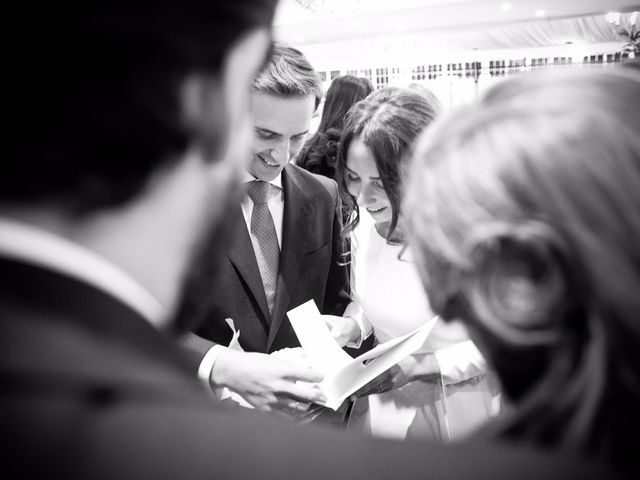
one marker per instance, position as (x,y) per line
(319,152)
(442,391)
(524,214)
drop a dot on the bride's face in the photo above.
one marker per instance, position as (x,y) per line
(365,184)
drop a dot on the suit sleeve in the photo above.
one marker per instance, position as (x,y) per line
(337,291)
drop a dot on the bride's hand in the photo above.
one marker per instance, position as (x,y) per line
(390,379)
(418,367)
(344,329)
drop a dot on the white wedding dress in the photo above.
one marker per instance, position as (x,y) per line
(389,300)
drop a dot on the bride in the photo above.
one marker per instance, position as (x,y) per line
(442,391)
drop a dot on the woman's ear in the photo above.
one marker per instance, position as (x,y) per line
(517,284)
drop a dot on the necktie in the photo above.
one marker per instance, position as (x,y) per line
(265,241)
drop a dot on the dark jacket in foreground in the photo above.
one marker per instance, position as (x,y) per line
(91,390)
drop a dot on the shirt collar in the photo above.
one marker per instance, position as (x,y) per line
(247,177)
(36,246)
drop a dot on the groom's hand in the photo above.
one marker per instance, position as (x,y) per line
(268,383)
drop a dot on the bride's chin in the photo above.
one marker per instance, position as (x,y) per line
(383,228)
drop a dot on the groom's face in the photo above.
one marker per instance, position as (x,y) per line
(281,125)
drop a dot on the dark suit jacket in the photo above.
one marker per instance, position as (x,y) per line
(88,389)
(309,269)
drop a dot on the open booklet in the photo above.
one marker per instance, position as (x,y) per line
(344,375)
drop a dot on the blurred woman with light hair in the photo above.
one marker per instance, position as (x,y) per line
(523,212)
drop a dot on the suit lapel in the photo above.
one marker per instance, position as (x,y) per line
(243,258)
(295,228)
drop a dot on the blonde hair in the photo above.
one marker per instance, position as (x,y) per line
(524,212)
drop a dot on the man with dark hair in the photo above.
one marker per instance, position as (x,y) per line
(129,125)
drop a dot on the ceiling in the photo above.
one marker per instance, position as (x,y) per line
(335,21)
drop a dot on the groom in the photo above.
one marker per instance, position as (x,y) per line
(271,269)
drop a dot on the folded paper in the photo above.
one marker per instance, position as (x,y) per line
(344,375)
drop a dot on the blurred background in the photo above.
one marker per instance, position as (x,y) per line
(457,48)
